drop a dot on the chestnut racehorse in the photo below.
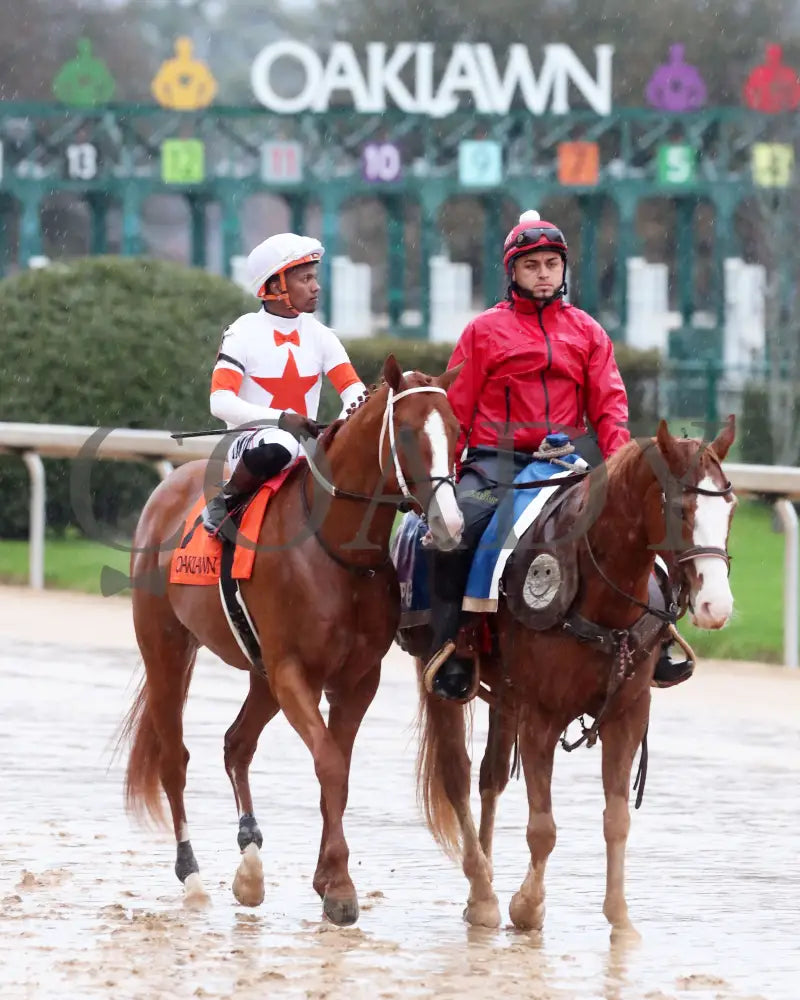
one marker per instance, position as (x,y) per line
(649,492)
(325,609)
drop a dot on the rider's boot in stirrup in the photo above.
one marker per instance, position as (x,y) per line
(450,676)
(670,671)
(241,484)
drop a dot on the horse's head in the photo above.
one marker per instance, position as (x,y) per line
(417,447)
(691,515)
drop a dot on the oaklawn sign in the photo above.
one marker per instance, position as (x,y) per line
(403,77)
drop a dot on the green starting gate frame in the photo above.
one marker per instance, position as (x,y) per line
(121,154)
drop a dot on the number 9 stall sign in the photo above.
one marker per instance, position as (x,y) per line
(480,163)
(381,163)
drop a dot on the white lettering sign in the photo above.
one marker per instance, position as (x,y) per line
(471,72)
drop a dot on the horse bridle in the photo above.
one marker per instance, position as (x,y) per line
(670,616)
(387,424)
(408,498)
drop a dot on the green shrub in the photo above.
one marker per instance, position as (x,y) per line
(107,342)
(121,342)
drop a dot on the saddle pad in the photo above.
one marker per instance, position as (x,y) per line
(411,562)
(197,560)
(509,523)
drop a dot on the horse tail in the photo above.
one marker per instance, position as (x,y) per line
(437,723)
(142,778)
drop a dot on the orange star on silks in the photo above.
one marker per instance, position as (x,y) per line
(288,390)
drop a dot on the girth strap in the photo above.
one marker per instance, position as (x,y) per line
(642,635)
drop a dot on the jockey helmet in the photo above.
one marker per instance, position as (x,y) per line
(532,233)
(277,255)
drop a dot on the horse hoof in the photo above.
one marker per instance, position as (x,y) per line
(525,915)
(483,913)
(342,912)
(625,934)
(195,896)
(248,885)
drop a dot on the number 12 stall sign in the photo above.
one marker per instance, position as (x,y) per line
(404,77)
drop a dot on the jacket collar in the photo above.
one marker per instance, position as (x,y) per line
(524,305)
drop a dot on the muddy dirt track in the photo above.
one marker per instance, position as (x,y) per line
(90,907)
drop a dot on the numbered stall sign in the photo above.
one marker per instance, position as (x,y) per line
(281,162)
(381,163)
(578,163)
(82,161)
(183,161)
(480,163)
(772,164)
(677,163)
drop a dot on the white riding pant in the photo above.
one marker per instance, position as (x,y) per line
(264,435)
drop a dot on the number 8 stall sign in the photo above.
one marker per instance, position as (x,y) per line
(381,163)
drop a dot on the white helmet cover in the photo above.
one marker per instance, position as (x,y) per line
(278,253)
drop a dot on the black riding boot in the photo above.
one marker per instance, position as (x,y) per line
(446,675)
(255,467)
(668,671)
(241,484)
(671,671)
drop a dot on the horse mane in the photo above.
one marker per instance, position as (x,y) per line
(624,463)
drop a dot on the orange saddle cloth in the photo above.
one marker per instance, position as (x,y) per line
(198,558)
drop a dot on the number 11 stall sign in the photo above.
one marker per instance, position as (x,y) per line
(403,77)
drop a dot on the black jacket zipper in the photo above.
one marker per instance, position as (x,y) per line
(547,369)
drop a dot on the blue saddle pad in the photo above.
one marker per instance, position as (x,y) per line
(509,522)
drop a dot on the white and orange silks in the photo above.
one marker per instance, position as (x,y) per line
(267,364)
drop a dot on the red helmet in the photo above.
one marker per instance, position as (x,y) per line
(532,233)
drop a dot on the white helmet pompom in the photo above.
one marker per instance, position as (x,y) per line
(530,216)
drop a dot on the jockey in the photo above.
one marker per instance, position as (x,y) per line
(533,364)
(269,369)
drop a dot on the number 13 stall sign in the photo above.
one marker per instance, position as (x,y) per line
(403,77)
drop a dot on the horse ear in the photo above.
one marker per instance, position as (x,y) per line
(663,438)
(446,380)
(722,442)
(392,373)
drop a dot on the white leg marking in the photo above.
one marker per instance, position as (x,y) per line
(248,884)
(195,896)
(713,603)
(444,515)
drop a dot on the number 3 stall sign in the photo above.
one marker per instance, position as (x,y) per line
(404,77)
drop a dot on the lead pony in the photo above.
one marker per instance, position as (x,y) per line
(324,598)
(661,495)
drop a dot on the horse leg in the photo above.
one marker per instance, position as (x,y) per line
(621,738)
(347,709)
(537,746)
(156,720)
(300,705)
(240,745)
(494,774)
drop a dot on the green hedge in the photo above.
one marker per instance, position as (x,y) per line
(120,342)
(107,342)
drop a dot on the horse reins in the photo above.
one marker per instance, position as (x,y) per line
(407,497)
(623,666)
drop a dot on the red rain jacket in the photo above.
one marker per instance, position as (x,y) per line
(550,368)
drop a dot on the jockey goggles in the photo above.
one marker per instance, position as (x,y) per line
(529,237)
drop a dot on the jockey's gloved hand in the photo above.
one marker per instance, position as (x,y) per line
(298,426)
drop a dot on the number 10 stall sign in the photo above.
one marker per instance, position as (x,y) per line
(403,77)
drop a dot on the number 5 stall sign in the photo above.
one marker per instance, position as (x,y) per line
(381,163)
